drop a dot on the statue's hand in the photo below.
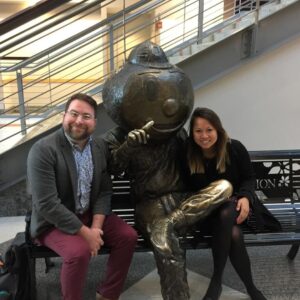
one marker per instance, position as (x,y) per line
(141,136)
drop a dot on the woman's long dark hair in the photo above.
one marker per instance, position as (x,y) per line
(195,155)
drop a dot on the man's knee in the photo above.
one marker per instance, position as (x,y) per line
(78,253)
(129,235)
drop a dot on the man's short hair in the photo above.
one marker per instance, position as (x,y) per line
(82,97)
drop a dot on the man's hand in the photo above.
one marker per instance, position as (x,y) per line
(243,207)
(93,238)
(141,136)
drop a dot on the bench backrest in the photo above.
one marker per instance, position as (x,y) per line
(278,181)
(277,175)
(277,186)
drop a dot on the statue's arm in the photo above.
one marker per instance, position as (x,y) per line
(120,153)
(123,146)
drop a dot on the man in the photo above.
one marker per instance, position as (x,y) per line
(71,193)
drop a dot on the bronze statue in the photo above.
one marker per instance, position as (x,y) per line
(150,100)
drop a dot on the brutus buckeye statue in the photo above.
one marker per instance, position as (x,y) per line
(150,100)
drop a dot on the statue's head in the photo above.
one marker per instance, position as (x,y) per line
(148,88)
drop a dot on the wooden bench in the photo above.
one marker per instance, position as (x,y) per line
(278,187)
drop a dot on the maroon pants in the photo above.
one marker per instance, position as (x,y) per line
(118,236)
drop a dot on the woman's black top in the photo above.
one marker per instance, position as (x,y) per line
(239,172)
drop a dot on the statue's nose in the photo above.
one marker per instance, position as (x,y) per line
(170,107)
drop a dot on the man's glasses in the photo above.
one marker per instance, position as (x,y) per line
(75,114)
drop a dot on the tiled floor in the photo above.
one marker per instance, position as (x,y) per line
(197,283)
(274,274)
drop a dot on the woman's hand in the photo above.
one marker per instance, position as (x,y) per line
(243,207)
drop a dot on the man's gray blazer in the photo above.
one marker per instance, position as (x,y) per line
(52,178)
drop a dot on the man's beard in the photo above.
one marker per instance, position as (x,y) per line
(75,135)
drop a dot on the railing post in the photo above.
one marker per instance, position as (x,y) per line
(49,81)
(184,20)
(21,102)
(111,48)
(200,21)
(124,30)
(254,48)
(249,40)
(239,7)
(257,12)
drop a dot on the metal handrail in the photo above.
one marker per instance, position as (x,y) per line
(76,37)
(59,59)
(12,22)
(77,9)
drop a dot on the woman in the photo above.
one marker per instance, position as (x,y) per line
(212,155)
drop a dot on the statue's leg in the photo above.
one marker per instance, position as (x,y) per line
(190,211)
(172,271)
(173,276)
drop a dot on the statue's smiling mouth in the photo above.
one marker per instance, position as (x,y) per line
(166,128)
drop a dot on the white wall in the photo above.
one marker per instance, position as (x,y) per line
(259,102)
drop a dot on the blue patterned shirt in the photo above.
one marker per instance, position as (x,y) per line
(85,170)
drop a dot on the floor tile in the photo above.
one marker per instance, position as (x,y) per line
(149,289)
